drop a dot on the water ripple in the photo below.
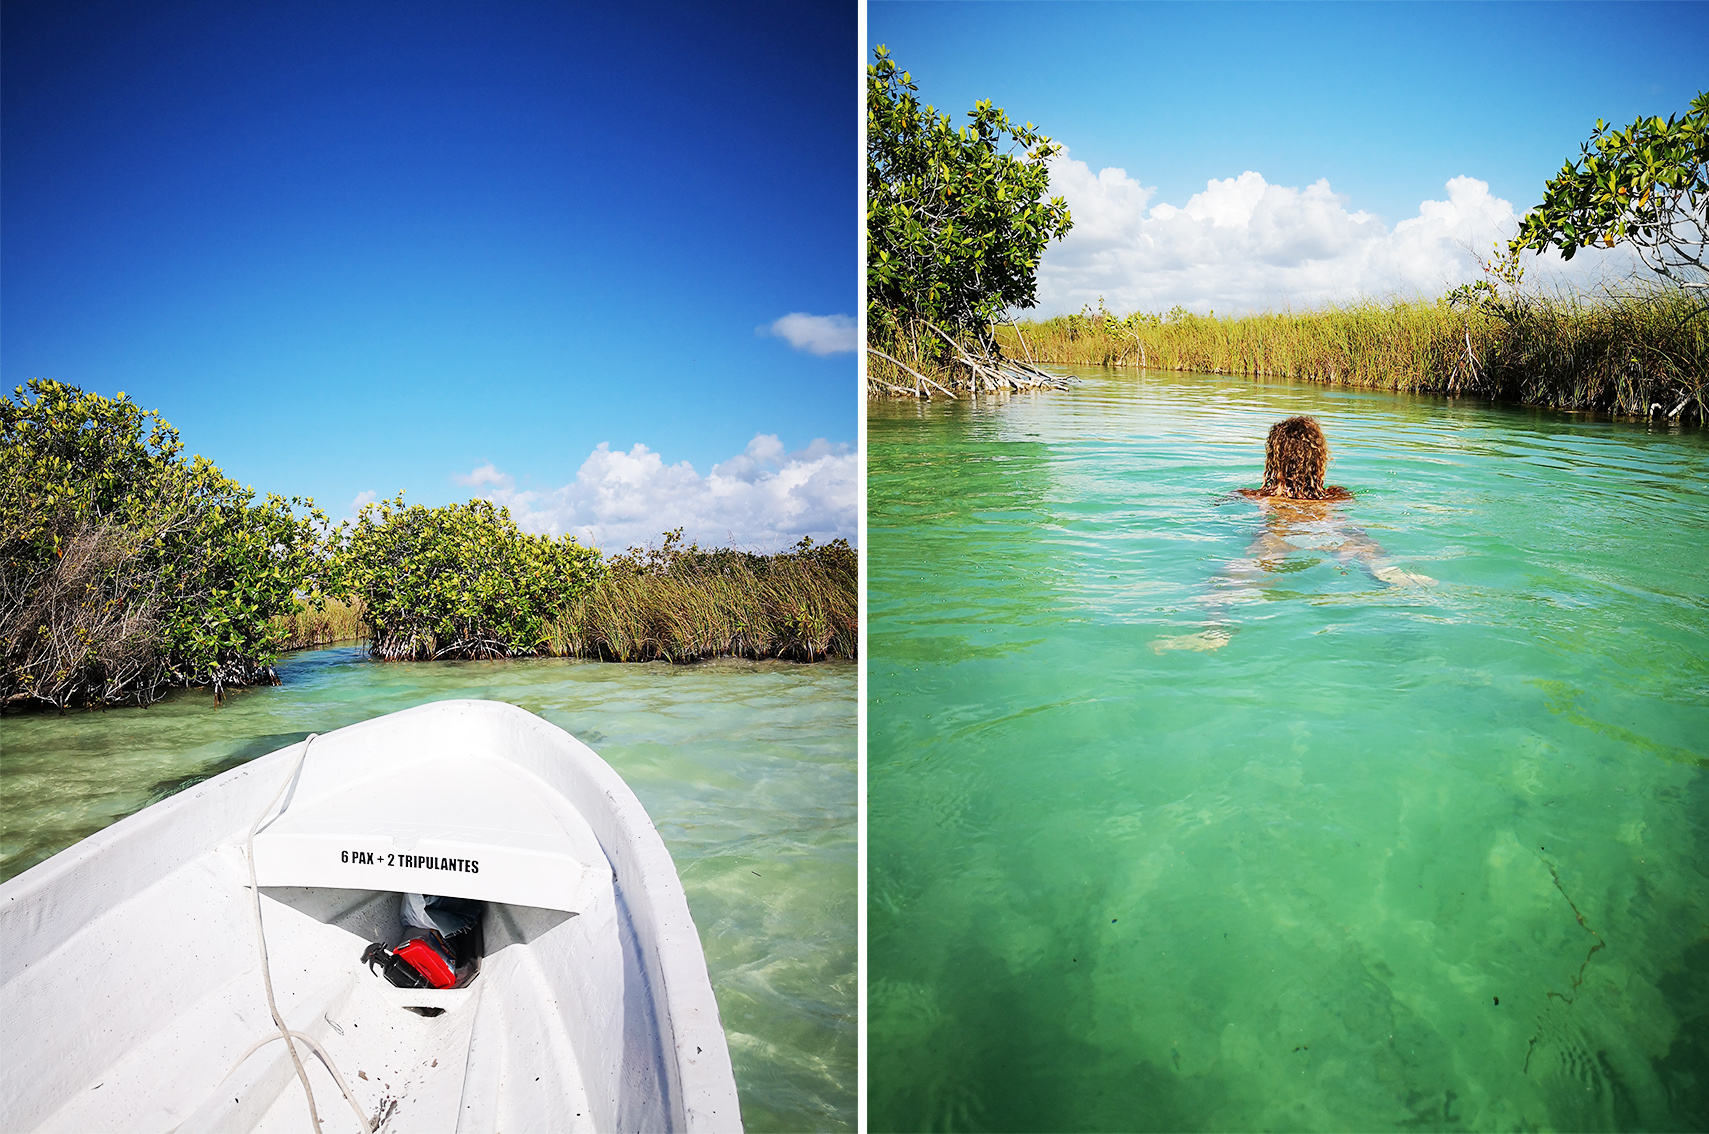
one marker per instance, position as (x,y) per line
(1283,882)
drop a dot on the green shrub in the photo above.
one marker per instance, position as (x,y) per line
(124,568)
(462,581)
(956,220)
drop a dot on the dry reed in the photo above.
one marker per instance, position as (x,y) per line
(1643,354)
(685,604)
(337,621)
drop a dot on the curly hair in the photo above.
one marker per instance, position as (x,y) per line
(1296,459)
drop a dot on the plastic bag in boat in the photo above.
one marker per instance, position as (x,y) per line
(454,923)
(444,949)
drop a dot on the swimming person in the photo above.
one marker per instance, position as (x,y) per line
(1299,515)
(1296,459)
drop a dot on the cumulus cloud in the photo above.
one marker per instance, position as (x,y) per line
(1243,244)
(484,475)
(817,334)
(764,497)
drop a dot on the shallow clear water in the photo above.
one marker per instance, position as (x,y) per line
(748,771)
(1410,856)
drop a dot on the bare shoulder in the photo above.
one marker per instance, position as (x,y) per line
(1332,492)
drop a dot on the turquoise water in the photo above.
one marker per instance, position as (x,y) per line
(748,771)
(1393,856)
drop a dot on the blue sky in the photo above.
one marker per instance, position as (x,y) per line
(353,248)
(1387,103)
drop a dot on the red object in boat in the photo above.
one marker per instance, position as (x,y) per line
(427,961)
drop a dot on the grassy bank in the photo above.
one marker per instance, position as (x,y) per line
(338,620)
(464,581)
(1641,355)
(683,604)
(670,603)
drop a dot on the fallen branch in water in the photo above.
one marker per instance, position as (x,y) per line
(997,372)
(981,368)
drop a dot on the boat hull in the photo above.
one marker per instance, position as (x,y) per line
(131,976)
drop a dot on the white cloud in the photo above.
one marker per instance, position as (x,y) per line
(367,496)
(819,334)
(1243,244)
(763,498)
(484,475)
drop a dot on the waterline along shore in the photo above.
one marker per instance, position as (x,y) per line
(128,568)
(683,604)
(1644,354)
(669,603)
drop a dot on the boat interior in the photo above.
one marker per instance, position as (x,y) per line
(140,993)
(490,1055)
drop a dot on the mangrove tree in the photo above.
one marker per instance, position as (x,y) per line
(127,569)
(957,220)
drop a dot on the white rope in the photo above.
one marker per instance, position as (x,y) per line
(286,1033)
(325,1059)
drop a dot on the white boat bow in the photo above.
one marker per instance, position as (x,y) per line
(131,979)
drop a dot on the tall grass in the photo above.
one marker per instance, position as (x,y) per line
(1641,354)
(338,621)
(685,604)
(674,603)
